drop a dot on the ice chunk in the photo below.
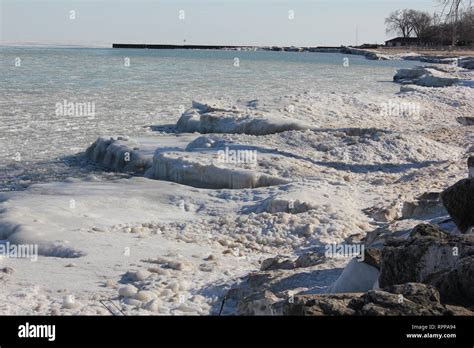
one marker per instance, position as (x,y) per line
(198,170)
(356,277)
(205,119)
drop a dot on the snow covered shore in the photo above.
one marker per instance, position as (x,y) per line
(231,186)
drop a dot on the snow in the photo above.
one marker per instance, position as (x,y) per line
(193,217)
(109,219)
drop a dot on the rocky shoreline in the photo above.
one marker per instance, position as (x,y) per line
(427,271)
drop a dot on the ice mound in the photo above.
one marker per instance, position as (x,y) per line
(14,231)
(202,169)
(348,148)
(395,148)
(119,155)
(466,62)
(204,162)
(426,76)
(203,118)
(131,155)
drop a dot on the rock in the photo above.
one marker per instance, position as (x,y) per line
(278,262)
(407,299)
(456,286)
(418,293)
(128,291)
(430,196)
(414,299)
(319,305)
(428,251)
(309,260)
(427,231)
(459,202)
(372,257)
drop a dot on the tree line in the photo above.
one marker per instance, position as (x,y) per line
(453,25)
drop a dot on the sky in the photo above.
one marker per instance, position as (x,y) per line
(219,22)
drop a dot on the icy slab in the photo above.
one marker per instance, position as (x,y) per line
(426,76)
(466,62)
(204,118)
(199,162)
(132,155)
(211,162)
(198,169)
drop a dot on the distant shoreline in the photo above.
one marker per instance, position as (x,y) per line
(226,47)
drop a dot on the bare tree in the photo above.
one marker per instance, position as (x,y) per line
(420,22)
(399,22)
(452,9)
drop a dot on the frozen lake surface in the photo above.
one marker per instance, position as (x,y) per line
(132,90)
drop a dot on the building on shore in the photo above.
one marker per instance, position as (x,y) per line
(402,41)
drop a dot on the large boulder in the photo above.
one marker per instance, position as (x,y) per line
(459,202)
(457,285)
(428,251)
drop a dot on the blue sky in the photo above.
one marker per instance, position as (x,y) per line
(239,22)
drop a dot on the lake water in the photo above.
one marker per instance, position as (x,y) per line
(133,89)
